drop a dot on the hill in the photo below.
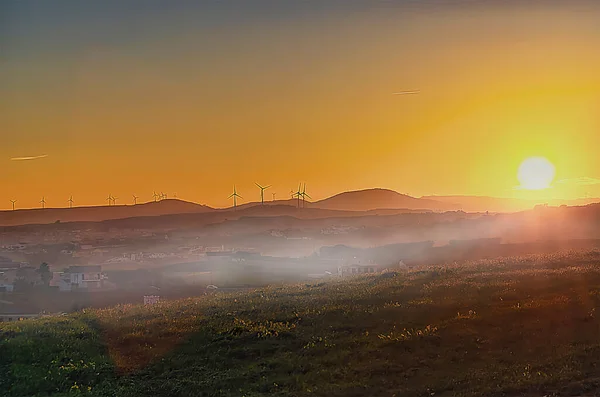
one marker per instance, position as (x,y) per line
(511,327)
(498,204)
(372,199)
(366,200)
(100,213)
(363,200)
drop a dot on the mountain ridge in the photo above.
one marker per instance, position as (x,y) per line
(375,200)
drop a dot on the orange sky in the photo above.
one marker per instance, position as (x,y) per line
(166,100)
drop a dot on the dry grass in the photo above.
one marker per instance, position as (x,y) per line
(520,326)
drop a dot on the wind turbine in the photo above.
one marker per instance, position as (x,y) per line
(304,195)
(235,196)
(298,194)
(109,199)
(262,192)
(135,199)
(13,204)
(155,196)
(43,202)
(114,199)
(274,194)
(71,202)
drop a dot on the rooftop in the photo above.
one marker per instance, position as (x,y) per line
(84,269)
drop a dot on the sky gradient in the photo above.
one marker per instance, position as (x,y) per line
(191,97)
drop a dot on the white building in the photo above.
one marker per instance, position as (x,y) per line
(61,281)
(78,277)
(7,279)
(358,269)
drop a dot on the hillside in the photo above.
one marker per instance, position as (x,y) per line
(498,204)
(100,213)
(340,205)
(361,200)
(372,199)
(511,327)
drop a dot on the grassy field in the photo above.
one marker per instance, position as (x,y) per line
(511,327)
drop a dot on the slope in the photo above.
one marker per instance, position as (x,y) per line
(456,331)
(371,199)
(100,213)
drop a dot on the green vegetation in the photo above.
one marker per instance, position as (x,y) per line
(516,326)
(45,273)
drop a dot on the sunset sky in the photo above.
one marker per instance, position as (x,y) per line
(190,97)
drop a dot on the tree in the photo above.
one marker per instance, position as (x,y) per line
(22,285)
(45,273)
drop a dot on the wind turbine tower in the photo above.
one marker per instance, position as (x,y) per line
(298,194)
(262,192)
(304,195)
(13,202)
(235,196)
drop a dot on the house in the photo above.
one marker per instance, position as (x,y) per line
(346,270)
(7,279)
(9,272)
(60,281)
(83,277)
(7,263)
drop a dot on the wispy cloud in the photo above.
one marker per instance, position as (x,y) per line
(582,181)
(412,92)
(28,158)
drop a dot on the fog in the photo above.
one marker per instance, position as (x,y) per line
(175,255)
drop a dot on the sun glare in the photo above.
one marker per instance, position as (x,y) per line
(536,173)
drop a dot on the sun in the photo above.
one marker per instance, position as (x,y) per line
(536,173)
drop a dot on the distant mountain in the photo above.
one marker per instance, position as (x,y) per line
(362,200)
(102,213)
(483,203)
(499,204)
(372,199)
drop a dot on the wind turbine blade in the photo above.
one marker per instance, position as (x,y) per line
(267,187)
(307,195)
(233,195)
(260,187)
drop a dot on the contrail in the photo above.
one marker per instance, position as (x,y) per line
(407,92)
(29,158)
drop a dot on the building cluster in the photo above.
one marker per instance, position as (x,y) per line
(74,278)
(79,278)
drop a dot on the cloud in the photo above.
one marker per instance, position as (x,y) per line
(29,158)
(582,181)
(407,92)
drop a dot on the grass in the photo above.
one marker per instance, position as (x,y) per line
(510,327)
